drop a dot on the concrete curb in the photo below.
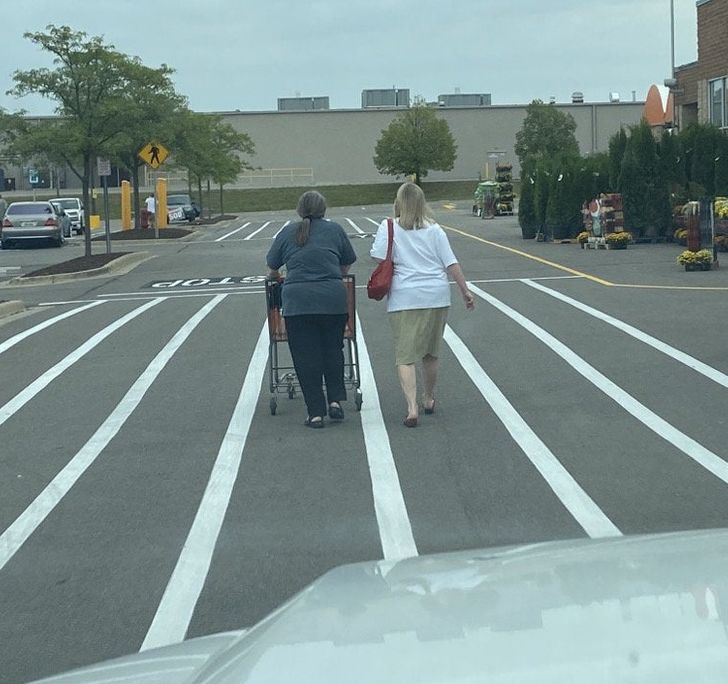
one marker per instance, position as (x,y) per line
(12,307)
(122,265)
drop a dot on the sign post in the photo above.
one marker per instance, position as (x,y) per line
(104,168)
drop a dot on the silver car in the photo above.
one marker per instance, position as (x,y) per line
(644,609)
(74,208)
(31,221)
(64,218)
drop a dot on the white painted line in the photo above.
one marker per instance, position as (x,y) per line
(237,230)
(156,291)
(689,361)
(70,301)
(178,603)
(585,511)
(355,227)
(232,293)
(40,383)
(280,229)
(255,232)
(521,280)
(4,346)
(395,530)
(31,518)
(376,223)
(704,457)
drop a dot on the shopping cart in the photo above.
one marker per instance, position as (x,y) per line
(283,378)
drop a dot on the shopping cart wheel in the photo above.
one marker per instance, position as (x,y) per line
(273,406)
(358,400)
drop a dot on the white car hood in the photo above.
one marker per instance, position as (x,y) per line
(635,609)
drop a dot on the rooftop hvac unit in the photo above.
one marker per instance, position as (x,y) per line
(614,97)
(577,97)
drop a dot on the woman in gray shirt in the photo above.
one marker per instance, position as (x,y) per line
(316,253)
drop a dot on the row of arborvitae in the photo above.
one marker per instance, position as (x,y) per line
(652,175)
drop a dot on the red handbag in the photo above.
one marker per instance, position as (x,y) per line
(381,279)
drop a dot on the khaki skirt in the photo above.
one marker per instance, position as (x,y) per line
(417,333)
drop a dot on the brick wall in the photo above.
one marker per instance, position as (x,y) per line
(712,56)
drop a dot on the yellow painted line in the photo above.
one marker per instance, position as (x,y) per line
(587,276)
(449,206)
(540,260)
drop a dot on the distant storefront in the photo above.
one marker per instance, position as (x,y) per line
(701,92)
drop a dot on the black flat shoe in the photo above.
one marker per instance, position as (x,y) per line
(336,412)
(315,422)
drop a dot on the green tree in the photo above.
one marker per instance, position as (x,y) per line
(527,205)
(645,190)
(547,134)
(541,192)
(89,83)
(721,166)
(416,142)
(563,209)
(617,148)
(226,163)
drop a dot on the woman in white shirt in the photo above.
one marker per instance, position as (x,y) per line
(419,298)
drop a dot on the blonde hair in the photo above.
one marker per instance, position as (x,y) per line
(410,207)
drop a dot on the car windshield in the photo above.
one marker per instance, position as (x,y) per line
(176,200)
(68,203)
(39,208)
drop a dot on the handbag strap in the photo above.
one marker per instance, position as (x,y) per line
(390,238)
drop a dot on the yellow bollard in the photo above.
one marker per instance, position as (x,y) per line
(160,204)
(125,205)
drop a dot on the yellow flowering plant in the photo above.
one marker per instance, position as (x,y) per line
(619,239)
(703,256)
(582,237)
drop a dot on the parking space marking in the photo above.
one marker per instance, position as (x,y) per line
(40,383)
(376,223)
(175,610)
(13,538)
(581,506)
(255,232)
(4,346)
(707,459)
(237,230)
(280,229)
(395,529)
(355,227)
(680,356)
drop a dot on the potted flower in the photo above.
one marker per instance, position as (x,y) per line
(582,238)
(696,261)
(618,240)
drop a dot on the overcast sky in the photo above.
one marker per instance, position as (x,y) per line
(244,54)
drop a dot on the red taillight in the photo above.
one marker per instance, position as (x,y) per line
(7,223)
(51,222)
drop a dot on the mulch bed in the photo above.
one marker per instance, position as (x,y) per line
(145,234)
(84,263)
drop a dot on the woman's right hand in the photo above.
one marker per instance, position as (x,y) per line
(469,299)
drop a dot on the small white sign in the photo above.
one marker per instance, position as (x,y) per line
(104,166)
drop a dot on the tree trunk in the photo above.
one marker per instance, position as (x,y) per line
(199,192)
(209,200)
(417,177)
(222,208)
(86,198)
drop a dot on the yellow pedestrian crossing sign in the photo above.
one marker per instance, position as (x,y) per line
(154,154)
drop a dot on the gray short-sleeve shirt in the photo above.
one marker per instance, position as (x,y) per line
(313,283)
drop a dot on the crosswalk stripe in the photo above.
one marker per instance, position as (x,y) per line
(175,610)
(682,357)
(31,518)
(355,227)
(23,397)
(395,530)
(237,230)
(4,346)
(700,454)
(255,232)
(584,510)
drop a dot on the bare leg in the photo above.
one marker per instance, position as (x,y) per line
(430,366)
(408,380)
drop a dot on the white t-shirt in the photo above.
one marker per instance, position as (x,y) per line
(151,204)
(420,258)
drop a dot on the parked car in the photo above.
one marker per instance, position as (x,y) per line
(64,218)
(191,212)
(74,208)
(31,221)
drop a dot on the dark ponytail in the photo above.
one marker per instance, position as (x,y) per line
(303,232)
(311,205)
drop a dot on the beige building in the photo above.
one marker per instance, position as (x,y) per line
(337,146)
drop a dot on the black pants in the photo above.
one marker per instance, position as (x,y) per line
(316,342)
